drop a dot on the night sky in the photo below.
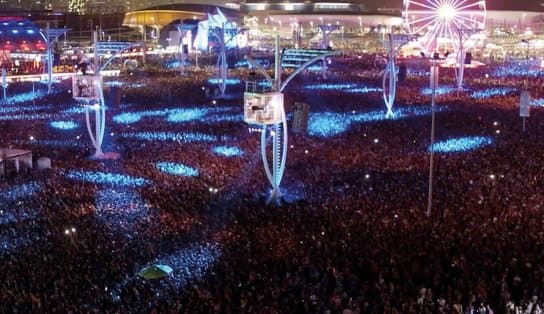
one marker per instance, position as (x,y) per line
(535,5)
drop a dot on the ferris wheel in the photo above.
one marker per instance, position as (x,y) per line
(443,24)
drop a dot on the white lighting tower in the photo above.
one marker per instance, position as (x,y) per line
(396,41)
(264,106)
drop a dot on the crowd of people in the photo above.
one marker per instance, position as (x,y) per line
(352,235)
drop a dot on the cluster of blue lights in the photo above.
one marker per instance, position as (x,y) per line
(75,110)
(228,151)
(185,115)
(173,136)
(330,86)
(344,87)
(538,102)
(190,264)
(175,64)
(12,109)
(64,125)
(363,90)
(442,90)
(35,116)
(17,214)
(127,118)
(120,209)
(325,124)
(520,70)
(176,169)
(20,191)
(206,115)
(54,143)
(113,83)
(19,238)
(461,144)
(22,97)
(490,92)
(228,81)
(107,178)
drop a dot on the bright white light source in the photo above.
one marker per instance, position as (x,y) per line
(447,12)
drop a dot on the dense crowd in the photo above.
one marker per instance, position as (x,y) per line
(353,236)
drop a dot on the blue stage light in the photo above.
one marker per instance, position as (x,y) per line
(490,92)
(173,136)
(185,115)
(539,102)
(228,151)
(127,118)
(20,191)
(22,97)
(329,86)
(64,125)
(228,81)
(461,144)
(176,169)
(107,178)
(327,124)
(442,90)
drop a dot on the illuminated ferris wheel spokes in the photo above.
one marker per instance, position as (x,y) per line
(438,21)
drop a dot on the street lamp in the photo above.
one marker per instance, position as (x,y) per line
(435,60)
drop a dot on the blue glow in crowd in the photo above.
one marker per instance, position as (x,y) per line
(171,136)
(16,214)
(189,266)
(206,115)
(461,144)
(185,115)
(64,125)
(127,117)
(107,178)
(113,83)
(344,87)
(442,90)
(330,86)
(325,124)
(35,116)
(19,237)
(490,92)
(176,169)
(55,143)
(22,97)
(228,81)
(20,191)
(538,102)
(6,109)
(120,209)
(228,151)
(519,70)
(363,90)
(75,110)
